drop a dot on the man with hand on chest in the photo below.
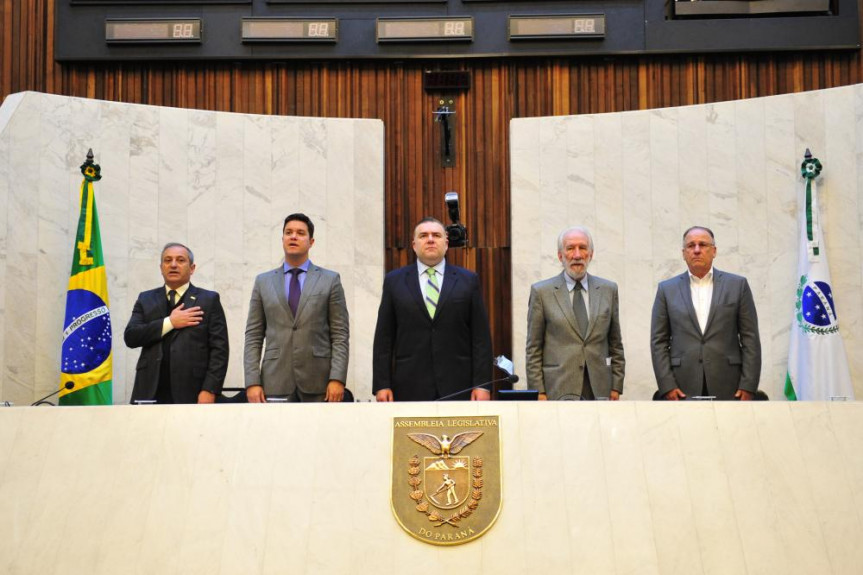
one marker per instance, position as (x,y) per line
(183,333)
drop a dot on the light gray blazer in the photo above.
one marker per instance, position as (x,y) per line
(557,354)
(727,354)
(306,351)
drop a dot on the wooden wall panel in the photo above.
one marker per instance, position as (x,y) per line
(392,91)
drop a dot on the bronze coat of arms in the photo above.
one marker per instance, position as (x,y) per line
(446,477)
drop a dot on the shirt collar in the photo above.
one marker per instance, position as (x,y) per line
(286,267)
(570,283)
(421,267)
(180,290)
(706,280)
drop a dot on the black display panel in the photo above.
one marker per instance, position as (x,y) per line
(153,31)
(318,2)
(450,29)
(570,26)
(351,29)
(290,30)
(153,2)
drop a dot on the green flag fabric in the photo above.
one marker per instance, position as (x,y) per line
(86,362)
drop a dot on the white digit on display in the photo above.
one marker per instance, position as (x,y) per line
(319,29)
(182,31)
(453,29)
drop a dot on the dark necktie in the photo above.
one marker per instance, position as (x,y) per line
(172,298)
(294,295)
(579,309)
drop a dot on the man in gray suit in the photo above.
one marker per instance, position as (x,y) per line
(704,329)
(298,318)
(574,346)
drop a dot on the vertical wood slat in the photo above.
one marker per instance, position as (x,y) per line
(414,179)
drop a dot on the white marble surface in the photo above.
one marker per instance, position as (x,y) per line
(630,488)
(221,183)
(639,179)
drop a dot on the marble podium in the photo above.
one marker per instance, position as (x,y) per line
(588,487)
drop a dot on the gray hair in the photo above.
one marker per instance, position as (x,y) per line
(170,245)
(706,229)
(581,229)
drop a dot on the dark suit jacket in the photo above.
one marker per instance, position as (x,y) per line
(557,353)
(199,354)
(728,354)
(282,352)
(422,359)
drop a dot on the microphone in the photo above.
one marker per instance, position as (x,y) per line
(508,379)
(67,385)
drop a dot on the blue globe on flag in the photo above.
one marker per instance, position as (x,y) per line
(817,304)
(86,332)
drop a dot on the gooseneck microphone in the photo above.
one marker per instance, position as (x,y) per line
(67,385)
(508,379)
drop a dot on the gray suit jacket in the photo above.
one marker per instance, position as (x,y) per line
(306,351)
(557,353)
(727,354)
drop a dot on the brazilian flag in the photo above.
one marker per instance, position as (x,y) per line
(86,364)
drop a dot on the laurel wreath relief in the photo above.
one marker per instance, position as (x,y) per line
(418,495)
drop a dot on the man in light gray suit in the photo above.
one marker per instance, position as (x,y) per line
(704,329)
(574,346)
(298,318)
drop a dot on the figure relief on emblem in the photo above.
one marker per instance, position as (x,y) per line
(450,481)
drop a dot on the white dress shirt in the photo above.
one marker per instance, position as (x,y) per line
(702,293)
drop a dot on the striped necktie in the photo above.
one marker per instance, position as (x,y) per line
(432,292)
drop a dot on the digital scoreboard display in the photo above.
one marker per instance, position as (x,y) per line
(545,27)
(153,31)
(290,30)
(425,29)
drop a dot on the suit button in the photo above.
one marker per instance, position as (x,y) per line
(294,328)
(699,360)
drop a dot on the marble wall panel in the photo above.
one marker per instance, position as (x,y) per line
(649,175)
(221,183)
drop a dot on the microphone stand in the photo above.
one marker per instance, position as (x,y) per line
(67,385)
(495,383)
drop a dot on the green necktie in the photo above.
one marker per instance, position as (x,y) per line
(432,292)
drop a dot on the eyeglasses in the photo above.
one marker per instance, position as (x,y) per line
(692,245)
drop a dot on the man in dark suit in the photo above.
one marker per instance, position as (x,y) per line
(574,347)
(297,329)
(432,338)
(183,333)
(704,329)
